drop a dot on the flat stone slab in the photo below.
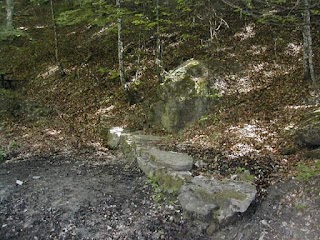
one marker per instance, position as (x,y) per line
(117,135)
(167,168)
(216,202)
(146,139)
(172,160)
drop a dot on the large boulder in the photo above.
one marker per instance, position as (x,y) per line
(183,97)
(215,203)
(308,132)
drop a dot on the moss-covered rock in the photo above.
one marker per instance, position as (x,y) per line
(183,97)
(169,181)
(308,132)
(112,136)
(169,169)
(214,202)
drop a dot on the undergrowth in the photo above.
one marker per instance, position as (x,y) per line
(3,155)
(306,172)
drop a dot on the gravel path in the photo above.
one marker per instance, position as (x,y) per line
(82,196)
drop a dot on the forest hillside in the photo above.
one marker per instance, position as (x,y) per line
(71,69)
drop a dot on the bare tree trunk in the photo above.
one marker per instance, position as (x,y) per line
(307,44)
(56,42)
(158,44)
(9,18)
(120,46)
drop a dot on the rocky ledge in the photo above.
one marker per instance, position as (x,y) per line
(211,203)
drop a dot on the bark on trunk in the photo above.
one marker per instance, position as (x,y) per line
(120,46)
(158,44)
(9,18)
(307,44)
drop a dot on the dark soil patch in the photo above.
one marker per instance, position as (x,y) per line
(83,196)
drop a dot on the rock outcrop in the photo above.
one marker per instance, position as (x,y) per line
(183,97)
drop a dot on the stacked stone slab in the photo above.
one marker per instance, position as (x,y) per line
(210,203)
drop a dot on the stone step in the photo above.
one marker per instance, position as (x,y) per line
(216,202)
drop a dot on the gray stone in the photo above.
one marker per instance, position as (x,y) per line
(169,181)
(113,137)
(132,144)
(183,97)
(169,169)
(216,202)
(172,160)
(308,132)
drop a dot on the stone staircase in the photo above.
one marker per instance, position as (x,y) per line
(211,203)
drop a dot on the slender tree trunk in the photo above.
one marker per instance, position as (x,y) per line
(56,42)
(9,18)
(101,2)
(158,44)
(307,44)
(120,46)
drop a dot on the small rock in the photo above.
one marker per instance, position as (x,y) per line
(113,137)
(265,223)
(234,177)
(200,164)
(18,182)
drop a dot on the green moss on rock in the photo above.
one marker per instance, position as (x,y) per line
(168,182)
(221,198)
(183,97)
(308,132)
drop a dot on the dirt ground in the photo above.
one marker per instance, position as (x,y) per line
(82,196)
(95,195)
